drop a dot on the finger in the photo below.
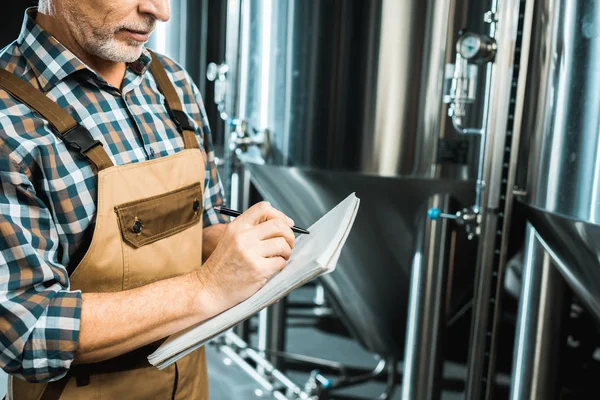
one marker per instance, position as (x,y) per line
(262,212)
(274,228)
(275,264)
(277,247)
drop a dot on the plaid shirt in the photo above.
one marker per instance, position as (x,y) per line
(48,194)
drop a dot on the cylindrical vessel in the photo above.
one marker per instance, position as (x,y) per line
(562,157)
(348,84)
(170,38)
(193,37)
(563,111)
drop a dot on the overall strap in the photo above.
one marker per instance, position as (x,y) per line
(67,129)
(173,103)
(55,389)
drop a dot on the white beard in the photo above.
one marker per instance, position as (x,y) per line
(104,44)
(115,50)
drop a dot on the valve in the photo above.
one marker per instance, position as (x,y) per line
(316,383)
(435,214)
(467,217)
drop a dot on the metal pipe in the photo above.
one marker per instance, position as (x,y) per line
(379,369)
(271,331)
(263,364)
(476,364)
(247,368)
(423,360)
(497,198)
(484,131)
(240,200)
(489,70)
(456,122)
(337,367)
(540,319)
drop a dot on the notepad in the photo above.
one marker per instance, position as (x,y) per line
(313,255)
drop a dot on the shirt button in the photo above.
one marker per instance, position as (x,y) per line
(196,205)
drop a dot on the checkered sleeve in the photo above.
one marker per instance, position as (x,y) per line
(39,316)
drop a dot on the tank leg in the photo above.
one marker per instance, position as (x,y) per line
(539,325)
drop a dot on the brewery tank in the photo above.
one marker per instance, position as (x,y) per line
(358,86)
(355,85)
(560,164)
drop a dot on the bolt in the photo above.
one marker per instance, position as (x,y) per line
(490,17)
(519,192)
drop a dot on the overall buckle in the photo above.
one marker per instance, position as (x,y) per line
(181,120)
(79,139)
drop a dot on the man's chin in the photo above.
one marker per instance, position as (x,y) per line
(126,53)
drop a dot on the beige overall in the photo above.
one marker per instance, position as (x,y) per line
(148,227)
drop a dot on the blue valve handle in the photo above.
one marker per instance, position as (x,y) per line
(435,214)
(326,383)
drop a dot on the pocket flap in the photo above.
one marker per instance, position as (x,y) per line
(147,220)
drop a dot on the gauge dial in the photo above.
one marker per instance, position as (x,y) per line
(474,47)
(469,45)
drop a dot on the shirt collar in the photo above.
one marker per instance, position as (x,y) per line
(50,60)
(142,64)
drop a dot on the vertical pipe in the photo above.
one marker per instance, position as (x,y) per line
(486,108)
(240,200)
(233,33)
(423,360)
(538,336)
(501,149)
(271,331)
(478,353)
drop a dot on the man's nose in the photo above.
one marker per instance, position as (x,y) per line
(159,9)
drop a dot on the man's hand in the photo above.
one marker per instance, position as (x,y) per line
(254,247)
(211,236)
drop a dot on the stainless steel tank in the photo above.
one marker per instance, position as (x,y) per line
(172,38)
(358,85)
(562,115)
(192,36)
(349,84)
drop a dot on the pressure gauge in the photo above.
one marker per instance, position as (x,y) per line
(474,47)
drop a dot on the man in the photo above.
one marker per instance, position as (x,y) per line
(107,194)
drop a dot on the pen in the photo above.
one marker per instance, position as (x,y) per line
(234,213)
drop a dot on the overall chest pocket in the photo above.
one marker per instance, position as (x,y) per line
(148,220)
(161,235)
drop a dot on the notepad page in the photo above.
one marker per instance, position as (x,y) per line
(313,255)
